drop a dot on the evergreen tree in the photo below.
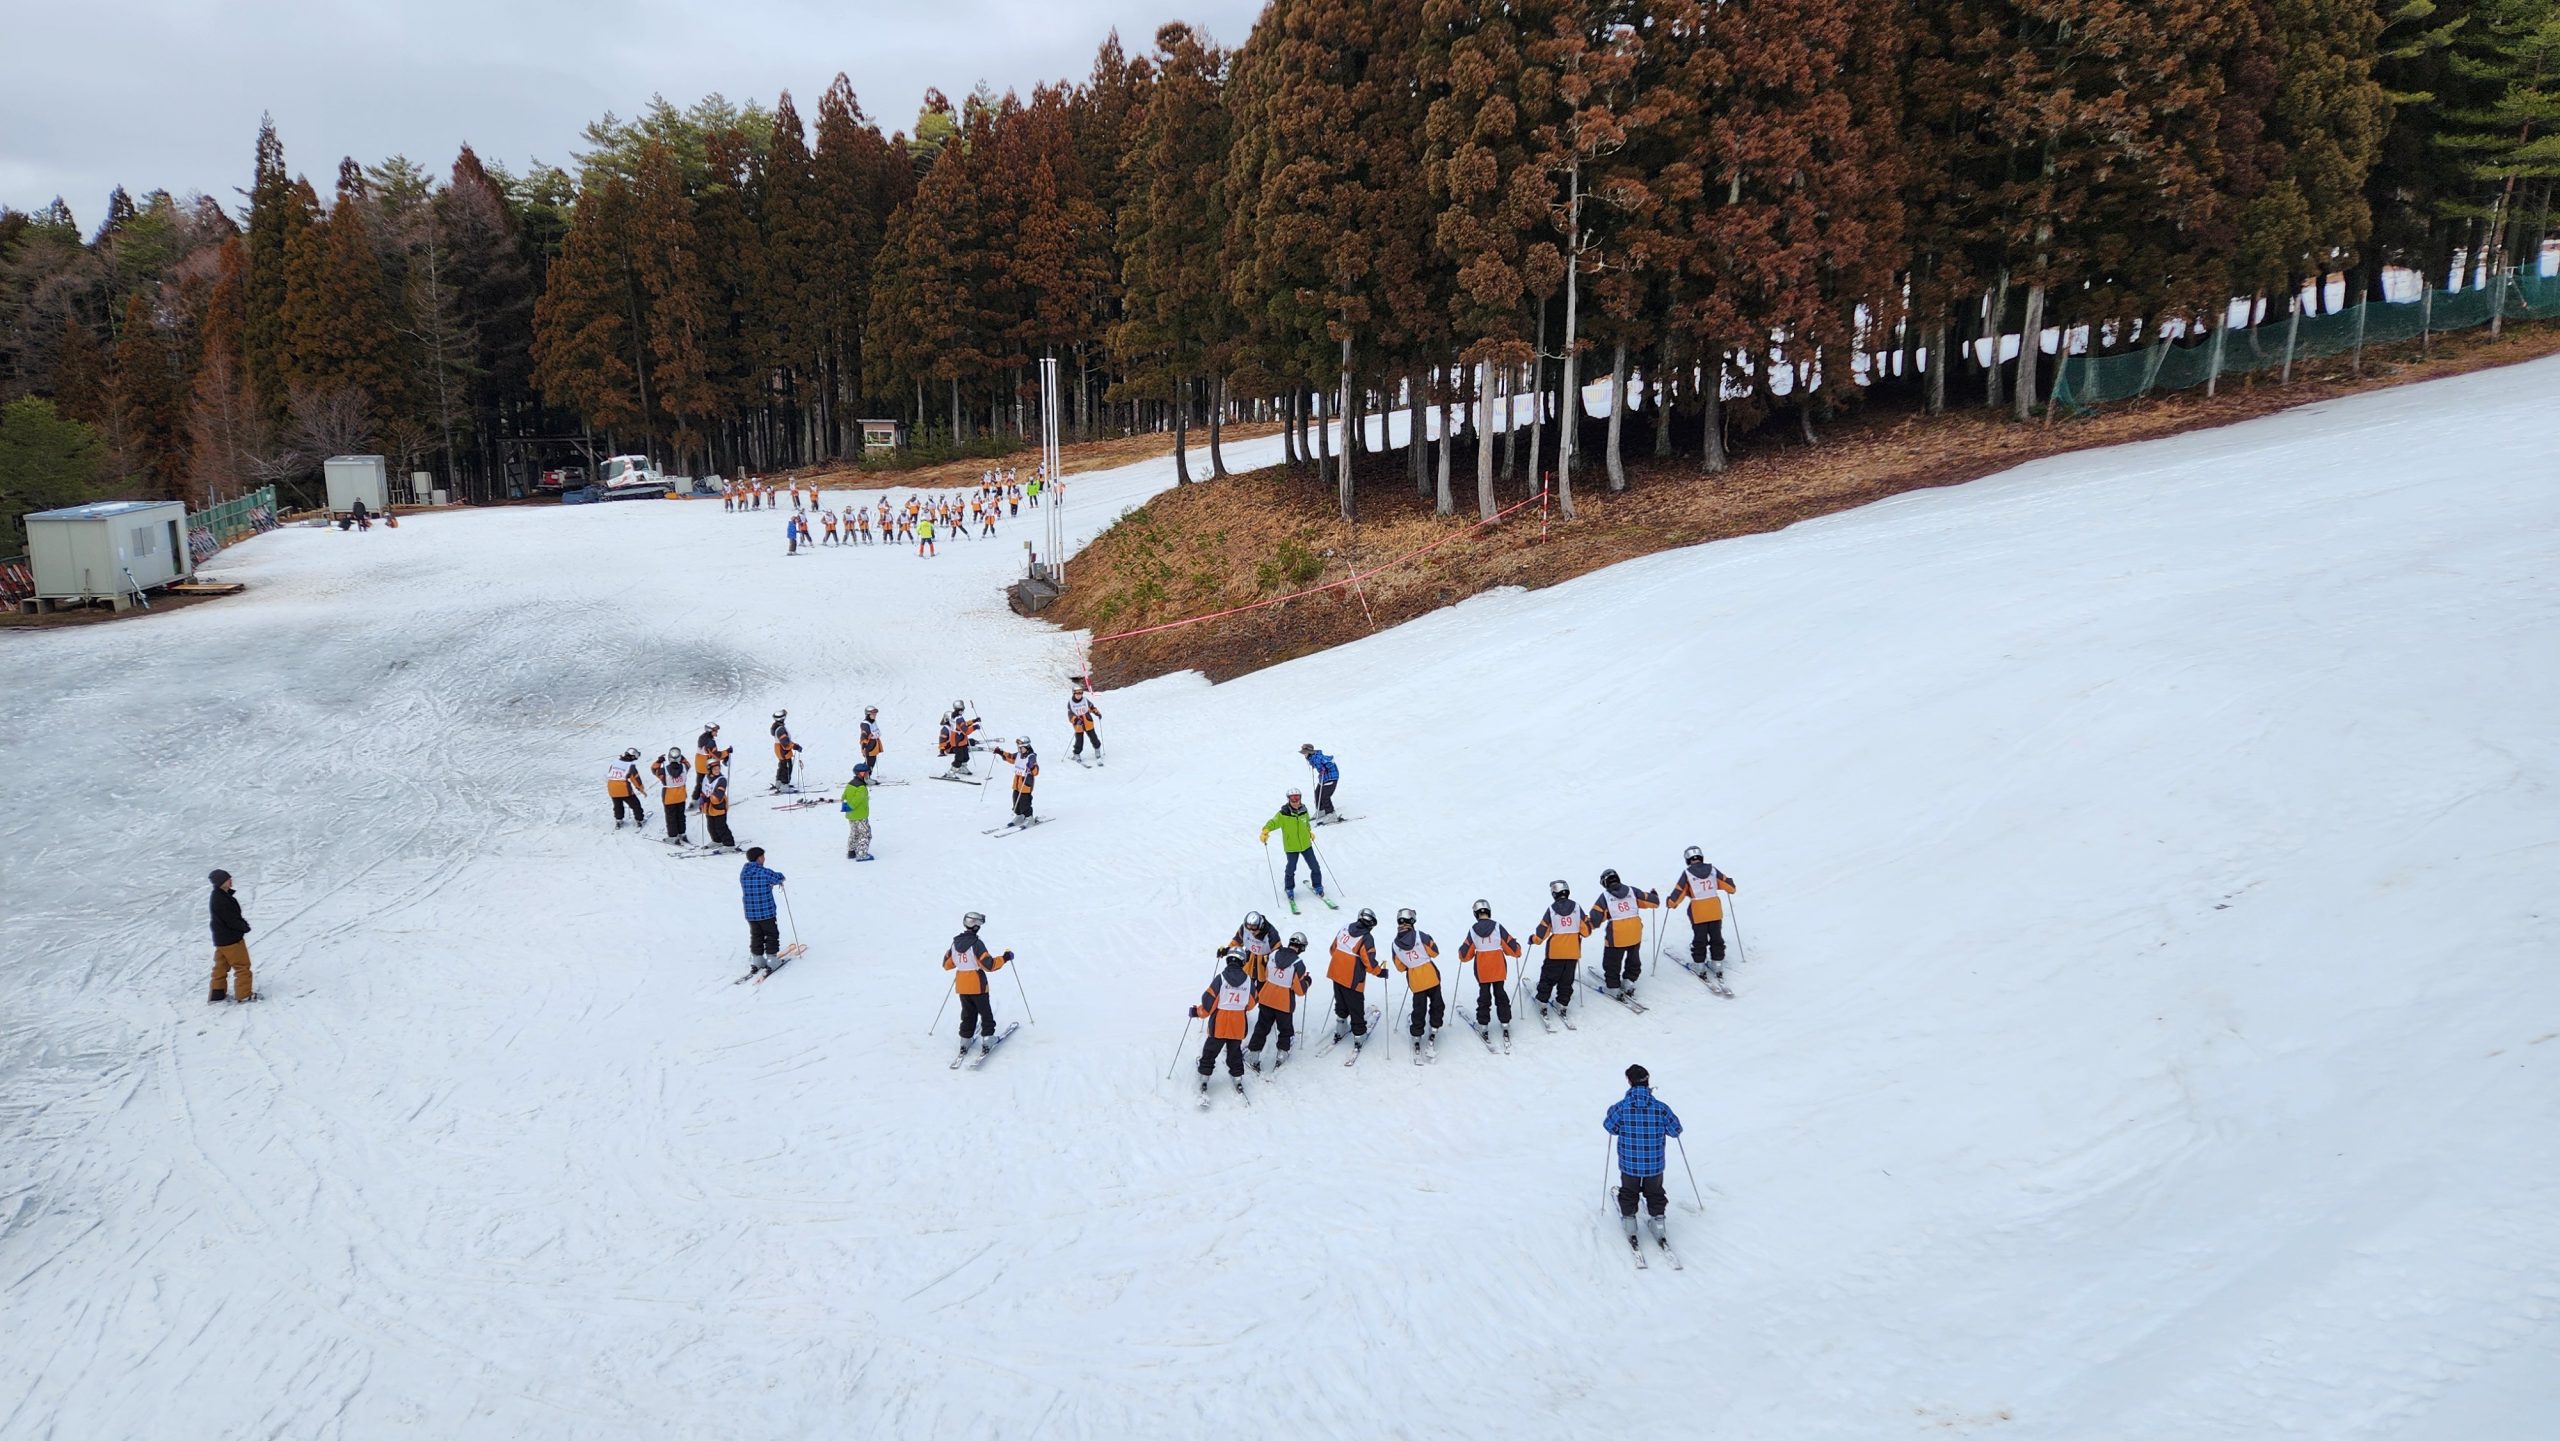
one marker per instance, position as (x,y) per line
(144,395)
(1492,195)
(683,314)
(276,212)
(585,344)
(1175,321)
(225,430)
(46,460)
(79,387)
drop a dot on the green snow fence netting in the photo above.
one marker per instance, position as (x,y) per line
(2093,380)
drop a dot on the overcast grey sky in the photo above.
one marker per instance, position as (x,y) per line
(156,94)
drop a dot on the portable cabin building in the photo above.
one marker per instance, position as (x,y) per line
(357,477)
(108,550)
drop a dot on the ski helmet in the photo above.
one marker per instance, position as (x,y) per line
(1608,878)
(1559,889)
(1693,855)
(675,753)
(1252,920)
(631,753)
(972,921)
(1079,690)
(1295,793)
(1232,956)
(1023,741)
(1484,908)
(1297,940)
(871,712)
(959,706)
(1304,749)
(777,715)
(1368,917)
(1405,917)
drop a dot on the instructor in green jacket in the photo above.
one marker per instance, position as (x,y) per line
(1297,837)
(857,814)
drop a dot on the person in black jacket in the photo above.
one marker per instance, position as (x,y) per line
(230,943)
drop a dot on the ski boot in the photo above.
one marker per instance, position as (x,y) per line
(1417,1049)
(964,1051)
(218,996)
(1254,1059)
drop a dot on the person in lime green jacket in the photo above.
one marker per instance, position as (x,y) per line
(1297,837)
(857,814)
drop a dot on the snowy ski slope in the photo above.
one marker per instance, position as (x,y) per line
(2148,1028)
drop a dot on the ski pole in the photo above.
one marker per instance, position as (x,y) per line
(1604,1175)
(1026,995)
(937,1013)
(1734,919)
(1269,874)
(786,912)
(1693,1175)
(1179,1047)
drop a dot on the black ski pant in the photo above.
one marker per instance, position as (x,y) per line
(764,937)
(1555,980)
(1315,873)
(782,773)
(1273,1019)
(675,820)
(1428,1002)
(717,827)
(1324,797)
(1351,1004)
(1649,1187)
(1621,965)
(639,814)
(976,1015)
(1022,804)
(1089,734)
(1235,1055)
(1492,996)
(1706,941)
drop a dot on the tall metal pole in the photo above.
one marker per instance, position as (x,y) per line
(1050,465)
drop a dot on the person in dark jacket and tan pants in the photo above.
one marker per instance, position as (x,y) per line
(230,944)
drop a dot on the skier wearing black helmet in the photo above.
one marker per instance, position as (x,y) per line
(1619,916)
(1560,930)
(1283,980)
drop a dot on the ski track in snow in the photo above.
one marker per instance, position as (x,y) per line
(2147,1026)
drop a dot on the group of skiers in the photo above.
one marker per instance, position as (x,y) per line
(920,519)
(1261,972)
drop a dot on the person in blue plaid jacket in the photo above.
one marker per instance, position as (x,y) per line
(764,932)
(1643,1126)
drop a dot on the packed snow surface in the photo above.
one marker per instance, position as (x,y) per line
(2148,1028)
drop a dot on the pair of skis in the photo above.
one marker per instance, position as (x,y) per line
(1597,983)
(1093,764)
(1010,827)
(1333,1040)
(1710,973)
(1484,1033)
(781,958)
(1635,1242)
(1241,1093)
(986,1050)
(1330,903)
(696,853)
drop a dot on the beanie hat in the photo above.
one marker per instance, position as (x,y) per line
(1638,1076)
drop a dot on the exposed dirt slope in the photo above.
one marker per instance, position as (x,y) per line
(1200,549)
